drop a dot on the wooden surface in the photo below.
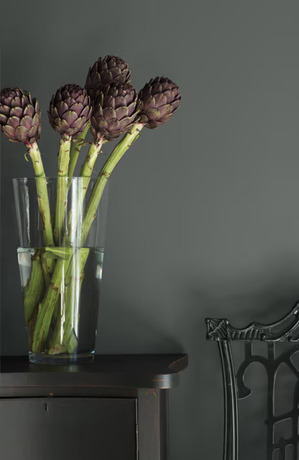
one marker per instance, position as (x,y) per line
(106,371)
(68,428)
(123,397)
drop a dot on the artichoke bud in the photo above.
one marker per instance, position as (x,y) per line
(157,101)
(70,110)
(111,70)
(20,116)
(114,111)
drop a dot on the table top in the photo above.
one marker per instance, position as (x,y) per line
(157,371)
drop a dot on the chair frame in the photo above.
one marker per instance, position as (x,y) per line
(284,330)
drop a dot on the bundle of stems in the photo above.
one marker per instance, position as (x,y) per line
(110,107)
(47,306)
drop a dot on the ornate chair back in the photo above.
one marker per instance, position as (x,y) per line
(267,428)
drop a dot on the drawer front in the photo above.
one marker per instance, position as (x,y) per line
(68,428)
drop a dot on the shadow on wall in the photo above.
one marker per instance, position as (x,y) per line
(265,296)
(264,293)
(135,329)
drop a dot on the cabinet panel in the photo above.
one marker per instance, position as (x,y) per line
(68,428)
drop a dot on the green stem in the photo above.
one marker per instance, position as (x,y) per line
(36,284)
(44,207)
(42,193)
(77,144)
(73,298)
(91,158)
(61,194)
(69,317)
(86,172)
(47,307)
(57,253)
(104,175)
(73,294)
(33,292)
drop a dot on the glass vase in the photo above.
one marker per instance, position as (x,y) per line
(61,265)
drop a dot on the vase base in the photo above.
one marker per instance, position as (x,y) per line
(63,358)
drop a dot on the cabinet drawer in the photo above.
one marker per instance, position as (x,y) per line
(68,428)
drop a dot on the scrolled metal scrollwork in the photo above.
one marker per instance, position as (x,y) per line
(285,330)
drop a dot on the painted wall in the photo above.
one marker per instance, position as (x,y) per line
(203,218)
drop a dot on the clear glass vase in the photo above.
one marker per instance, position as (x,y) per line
(61,264)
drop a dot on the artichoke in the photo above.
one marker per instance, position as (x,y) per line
(158,100)
(20,116)
(111,70)
(114,111)
(70,110)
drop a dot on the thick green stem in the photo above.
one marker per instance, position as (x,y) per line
(77,144)
(42,193)
(73,299)
(73,292)
(91,158)
(34,290)
(86,172)
(106,171)
(47,306)
(44,210)
(56,347)
(61,195)
(68,320)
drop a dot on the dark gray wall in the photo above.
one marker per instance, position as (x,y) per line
(203,216)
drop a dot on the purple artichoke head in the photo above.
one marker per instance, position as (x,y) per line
(114,111)
(158,100)
(111,70)
(20,116)
(70,110)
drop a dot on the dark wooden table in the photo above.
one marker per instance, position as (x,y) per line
(113,408)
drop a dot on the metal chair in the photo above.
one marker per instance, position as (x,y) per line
(280,359)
